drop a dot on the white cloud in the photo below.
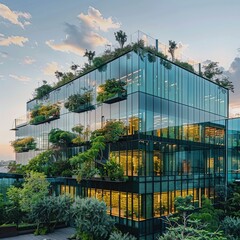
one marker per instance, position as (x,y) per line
(51,68)
(15,40)
(20,78)
(78,39)
(17,18)
(28,60)
(96,21)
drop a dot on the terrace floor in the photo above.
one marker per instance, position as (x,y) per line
(58,234)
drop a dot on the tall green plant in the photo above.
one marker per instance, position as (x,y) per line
(91,219)
(121,38)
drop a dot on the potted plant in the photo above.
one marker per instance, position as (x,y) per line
(24,144)
(44,113)
(112,91)
(80,102)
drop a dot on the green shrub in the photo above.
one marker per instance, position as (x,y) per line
(91,219)
(49,211)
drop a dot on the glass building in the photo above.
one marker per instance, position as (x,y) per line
(175,142)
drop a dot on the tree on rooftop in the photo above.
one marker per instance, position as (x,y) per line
(74,67)
(121,38)
(213,72)
(43,91)
(90,55)
(58,75)
(172,48)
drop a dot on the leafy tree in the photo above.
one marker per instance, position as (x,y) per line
(172,48)
(35,187)
(58,75)
(60,138)
(41,163)
(182,227)
(91,219)
(90,55)
(121,38)
(74,67)
(121,236)
(43,91)
(49,211)
(185,65)
(13,208)
(213,72)
(208,215)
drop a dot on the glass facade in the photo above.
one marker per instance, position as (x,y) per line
(174,143)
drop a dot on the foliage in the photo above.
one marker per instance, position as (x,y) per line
(172,48)
(35,187)
(49,211)
(90,55)
(60,138)
(24,144)
(110,88)
(185,65)
(213,72)
(63,78)
(120,37)
(79,130)
(84,161)
(14,214)
(208,215)
(16,168)
(77,100)
(99,62)
(182,227)
(91,219)
(121,236)
(41,163)
(43,113)
(112,131)
(231,226)
(113,170)
(43,91)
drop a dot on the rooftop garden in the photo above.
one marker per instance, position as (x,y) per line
(44,113)
(99,62)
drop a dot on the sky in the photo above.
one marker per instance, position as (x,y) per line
(39,37)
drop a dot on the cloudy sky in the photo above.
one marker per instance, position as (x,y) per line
(39,37)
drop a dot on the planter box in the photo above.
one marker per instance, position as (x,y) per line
(117,98)
(8,231)
(83,108)
(46,120)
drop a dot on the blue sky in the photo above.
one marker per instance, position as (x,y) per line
(39,37)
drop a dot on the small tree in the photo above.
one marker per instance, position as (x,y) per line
(182,227)
(213,72)
(35,187)
(172,48)
(43,91)
(121,38)
(91,219)
(90,55)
